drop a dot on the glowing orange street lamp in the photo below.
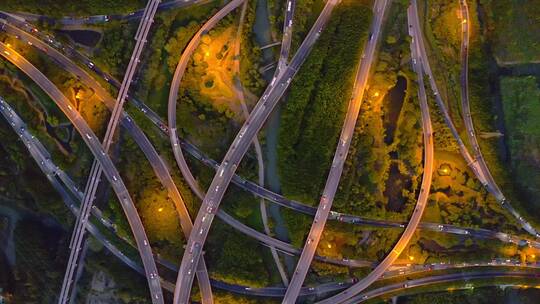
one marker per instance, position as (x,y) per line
(376,94)
(78,95)
(411,258)
(160,209)
(207,54)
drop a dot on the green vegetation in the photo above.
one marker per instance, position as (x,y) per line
(172,32)
(513,28)
(467,287)
(521,103)
(317,102)
(250,55)
(20,178)
(114,50)
(442,27)
(40,262)
(56,8)
(305,14)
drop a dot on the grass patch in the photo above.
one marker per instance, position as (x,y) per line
(521,104)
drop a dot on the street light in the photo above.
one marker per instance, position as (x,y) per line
(160,209)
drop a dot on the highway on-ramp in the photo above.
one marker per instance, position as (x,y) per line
(422,197)
(175,85)
(156,161)
(477,164)
(233,157)
(43,159)
(159,165)
(95,172)
(347,132)
(287,35)
(110,170)
(52,172)
(47,44)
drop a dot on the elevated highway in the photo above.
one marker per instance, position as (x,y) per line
(95,172)
(334,176)
(232,158)
(422,197)
(109,169)
(477,163)
(53,173)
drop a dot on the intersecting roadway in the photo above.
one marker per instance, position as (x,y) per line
(51,171)
(332,182)
(110,171)
(24,32)
(78,235)
(422,198)
(162,173)
(477,164)
(232,158)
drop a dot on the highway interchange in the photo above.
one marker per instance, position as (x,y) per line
(225,171)
(109,169)
(43,159)
(96,170)
(244,184)
(332,182)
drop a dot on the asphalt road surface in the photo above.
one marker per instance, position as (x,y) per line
(332,182)
(110,171)
(238,149)
(422,198)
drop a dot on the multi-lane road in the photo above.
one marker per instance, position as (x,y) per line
(287,36)
(232,158)
(332,182)
(444,278)
(79,230)
(51,171)
(477,163)
(175,85)
(157,163)
(469,126)
(239,91)
(422,197)
(110,170)
(274,94)
(161,169)
(24,32)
